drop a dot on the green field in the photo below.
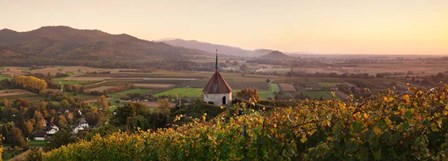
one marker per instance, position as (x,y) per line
(328,84)
(182,92)
(318,94)
(265,94)
(274,87)
(118,95)
(2,77)
(72,82)
(37,143)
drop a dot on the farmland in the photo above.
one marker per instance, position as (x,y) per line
(190,83)
(318,94)
(4,77)
(14,92)
(153,85)
(328,84)
(182,92)
(286,87)
(118,95)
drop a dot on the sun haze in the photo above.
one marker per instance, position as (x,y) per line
(344,26)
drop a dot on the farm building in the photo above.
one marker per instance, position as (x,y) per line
(217,89)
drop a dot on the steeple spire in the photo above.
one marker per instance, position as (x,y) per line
(216,64)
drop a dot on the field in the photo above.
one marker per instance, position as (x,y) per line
(4,77)
(318,94)
(65,81)
(118,95)
(182,92)
(14,92)
(37,143)
(328,84)
(265,94)
(153,85)
(187,83)
(100,89)
(417,67)
(285,87)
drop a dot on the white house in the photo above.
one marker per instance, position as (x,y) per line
(82,125)
(53,130)
(217,89)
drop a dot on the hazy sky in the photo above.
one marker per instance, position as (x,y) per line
(321,26)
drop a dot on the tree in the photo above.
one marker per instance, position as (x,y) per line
(104,104)
(135,115)
(6,103)
(35,155)
(91,118)
(14,136)
(29,126)
(39,119)
(1,148)
(30,82)
(62,121)
(164,106)
(63,137)
(248,94)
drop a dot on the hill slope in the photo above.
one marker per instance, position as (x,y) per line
(208,47)
(276,55)
(384,127)
(222,49)
(67,46)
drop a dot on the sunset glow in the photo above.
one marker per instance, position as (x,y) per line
(328,27)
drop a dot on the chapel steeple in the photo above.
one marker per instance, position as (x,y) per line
(217,89)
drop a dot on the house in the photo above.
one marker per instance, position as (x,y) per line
(81,126)
(39,135)
(217,90)
(52,130)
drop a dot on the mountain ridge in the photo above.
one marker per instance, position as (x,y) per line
(211,47)
(62,44)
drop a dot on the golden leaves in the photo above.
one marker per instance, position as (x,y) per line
(376,130)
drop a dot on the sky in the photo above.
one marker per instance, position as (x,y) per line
(318,26)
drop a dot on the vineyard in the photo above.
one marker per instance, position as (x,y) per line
(388,126)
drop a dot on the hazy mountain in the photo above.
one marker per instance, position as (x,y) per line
(276,55)
(261,52)
(208,47)
(61,44)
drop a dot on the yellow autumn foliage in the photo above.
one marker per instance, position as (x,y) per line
(30,82)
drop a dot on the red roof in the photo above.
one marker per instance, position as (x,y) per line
(217,84)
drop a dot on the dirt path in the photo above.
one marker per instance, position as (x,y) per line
(21,156)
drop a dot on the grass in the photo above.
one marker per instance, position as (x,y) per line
(38,143)
(328,84)
(274,87)
(265,94)
(182,92)
(118,95)
(7,155)
(2,77)
(72,82)
(318,94)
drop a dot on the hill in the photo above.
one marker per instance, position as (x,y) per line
(209,47)
(389,126)
(62,45)
(276,55)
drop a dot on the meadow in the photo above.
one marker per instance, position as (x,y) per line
(118,95)
(182,92)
